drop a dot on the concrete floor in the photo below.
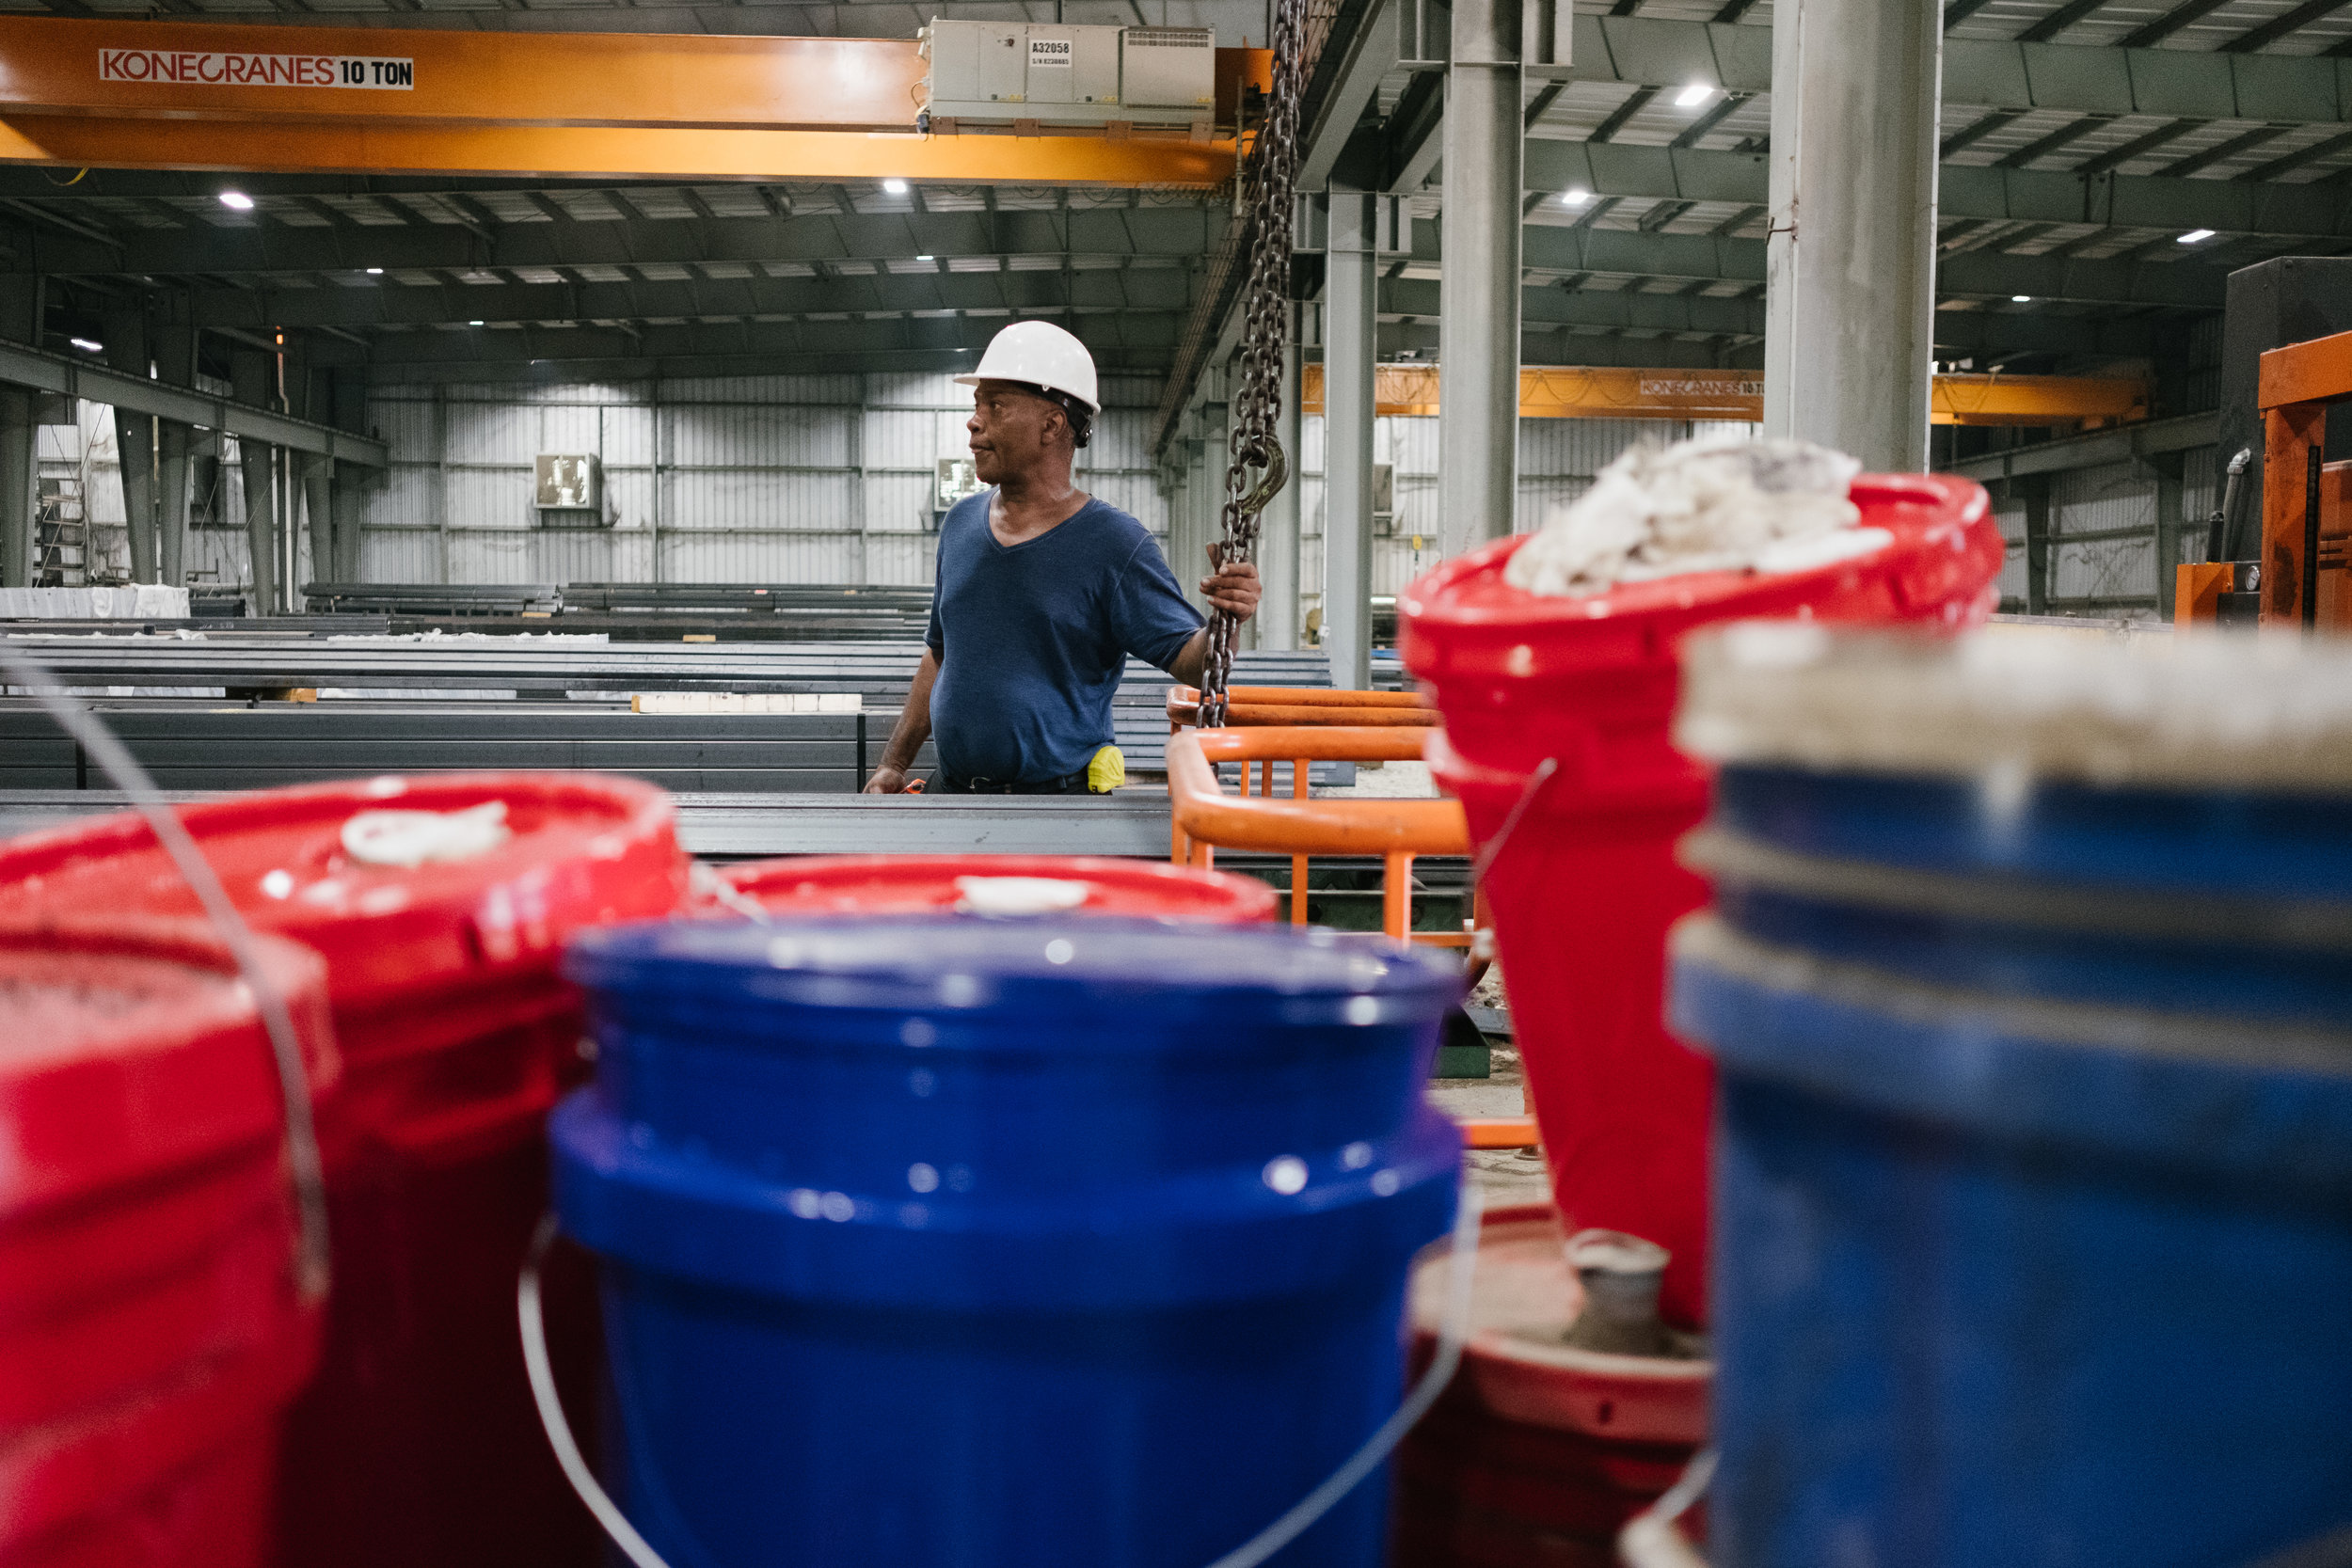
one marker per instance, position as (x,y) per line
(1504,1176)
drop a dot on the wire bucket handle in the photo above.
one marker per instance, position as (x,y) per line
(1460,1276)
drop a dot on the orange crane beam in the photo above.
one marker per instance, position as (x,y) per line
(80,93)
(1603,393)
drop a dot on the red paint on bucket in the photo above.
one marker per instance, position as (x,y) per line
(151,1333)
(1536,1455)
(1586,887)
(417,1441)
(927,885)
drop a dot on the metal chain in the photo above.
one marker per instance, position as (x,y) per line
(1257,465)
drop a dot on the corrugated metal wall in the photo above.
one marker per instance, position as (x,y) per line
(2102,534)
(766,479)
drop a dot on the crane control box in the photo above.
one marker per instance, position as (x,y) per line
(1037,78)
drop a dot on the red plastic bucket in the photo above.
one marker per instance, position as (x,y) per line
(417,1442)
(933,884)
(151,1332)
(1538,1453)
(1583,888)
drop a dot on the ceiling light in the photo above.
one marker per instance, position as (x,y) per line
(926,258)
(1577,196)
(236,201)
(2196,236)
(1694,95)
(2021,299)
(893,187)
(375,271)
(86,346)
(473,323)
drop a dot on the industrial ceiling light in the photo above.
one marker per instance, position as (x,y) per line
(2021,299)
(893,187)
(926,258)
(236,201)
(375,271)
(86,346)
(2196,236)
(1694,95)
(1577,196)
(473,323)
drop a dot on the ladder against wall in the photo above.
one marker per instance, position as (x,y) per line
(61,529)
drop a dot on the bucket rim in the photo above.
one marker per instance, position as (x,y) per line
(1467,595)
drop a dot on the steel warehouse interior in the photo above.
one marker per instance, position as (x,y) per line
(1175,784)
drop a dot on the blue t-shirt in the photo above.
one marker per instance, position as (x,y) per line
(1032,638)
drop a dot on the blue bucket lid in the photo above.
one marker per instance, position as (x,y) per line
(974,968)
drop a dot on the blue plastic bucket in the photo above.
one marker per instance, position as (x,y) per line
(2033,1179)
(954,1244)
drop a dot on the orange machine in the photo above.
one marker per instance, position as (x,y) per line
(2307,503)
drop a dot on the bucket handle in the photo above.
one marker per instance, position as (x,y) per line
(1460,1276)
(1535,787)
(306,1169)
(1651,1539)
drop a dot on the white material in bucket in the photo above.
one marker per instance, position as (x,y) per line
(1718,504)
(412,838)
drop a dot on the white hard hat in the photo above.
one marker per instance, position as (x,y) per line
(1041,354)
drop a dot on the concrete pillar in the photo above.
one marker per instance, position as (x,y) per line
(172,485)
(1850,266)
(1349,369)
(1478,294)
(19,477)
(1277,525)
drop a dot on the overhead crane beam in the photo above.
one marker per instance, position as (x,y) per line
(256,246)
(1582,393)
(84,93)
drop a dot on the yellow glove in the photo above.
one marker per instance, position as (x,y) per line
(1107,771)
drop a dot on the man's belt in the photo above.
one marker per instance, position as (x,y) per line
(1063,786)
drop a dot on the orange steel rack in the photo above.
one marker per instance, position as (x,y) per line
(1204,818)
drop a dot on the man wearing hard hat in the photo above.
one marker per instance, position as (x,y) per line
(1042,592)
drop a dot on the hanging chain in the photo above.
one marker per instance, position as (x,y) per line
(1257,465)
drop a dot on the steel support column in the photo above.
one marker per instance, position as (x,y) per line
(18,479)
(1849,263)
(1348,350)
(134,444)
(348,505)
(261,525)
(1278,537)
(135,434)
(2171,529)
(1478,293)
(2037,491)
(171,483)
(318,504)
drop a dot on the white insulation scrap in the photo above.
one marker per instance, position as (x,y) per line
(1718,504)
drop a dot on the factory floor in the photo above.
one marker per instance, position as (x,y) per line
(1504,1176)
